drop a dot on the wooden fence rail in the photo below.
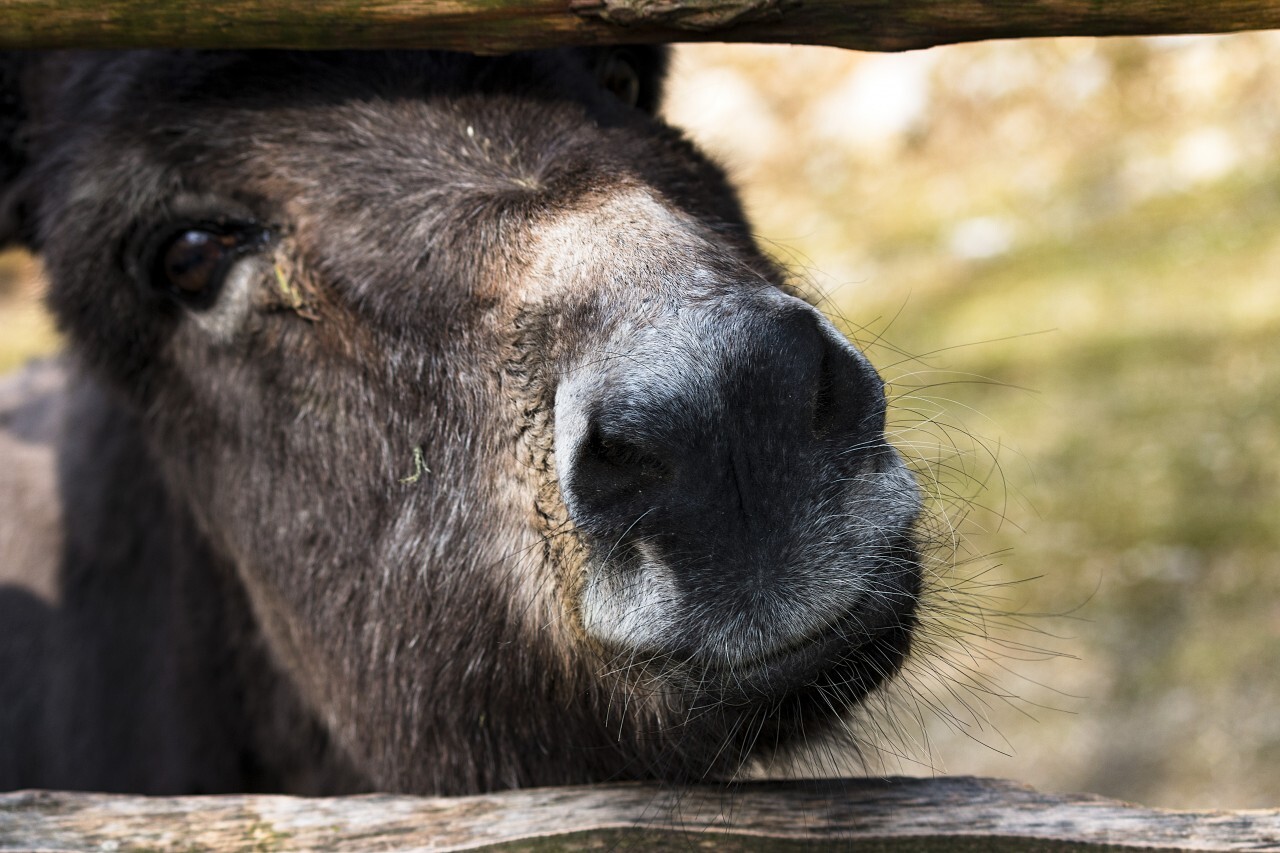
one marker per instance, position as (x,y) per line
(869,816)
(501,25)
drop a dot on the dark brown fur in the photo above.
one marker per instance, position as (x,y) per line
(319,543)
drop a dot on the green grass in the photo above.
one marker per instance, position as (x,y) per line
(1140,477)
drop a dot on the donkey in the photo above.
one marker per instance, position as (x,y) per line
(427,423)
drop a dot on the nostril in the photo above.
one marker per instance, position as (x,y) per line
(824,399)
(848,397)
(622,454)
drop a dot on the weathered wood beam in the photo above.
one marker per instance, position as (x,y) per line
(501,25)
(945,814)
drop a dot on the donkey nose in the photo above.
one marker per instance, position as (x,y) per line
(716,410)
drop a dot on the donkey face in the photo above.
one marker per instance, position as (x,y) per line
(531,469)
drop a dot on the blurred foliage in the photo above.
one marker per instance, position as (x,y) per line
(1064,255)
(25,329)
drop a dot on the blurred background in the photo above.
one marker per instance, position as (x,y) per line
(1064,255)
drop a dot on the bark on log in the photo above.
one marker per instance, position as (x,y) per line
(945,814)
(501,25)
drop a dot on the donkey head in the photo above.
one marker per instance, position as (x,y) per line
(532,469)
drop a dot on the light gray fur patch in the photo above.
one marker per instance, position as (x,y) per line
(227,316)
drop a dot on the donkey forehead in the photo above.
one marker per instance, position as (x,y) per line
(389,164)
(326,130)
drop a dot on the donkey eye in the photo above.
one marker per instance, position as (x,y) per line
(194,259)
(189,264)
(619,76)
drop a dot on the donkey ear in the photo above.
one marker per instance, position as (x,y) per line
(650,62)
(15,171)
(634,73)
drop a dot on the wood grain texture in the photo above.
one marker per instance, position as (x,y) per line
(501,25)
(944,814)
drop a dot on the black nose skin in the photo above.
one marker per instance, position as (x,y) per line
(698,440)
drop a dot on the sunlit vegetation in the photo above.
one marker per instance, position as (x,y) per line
(25,329)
